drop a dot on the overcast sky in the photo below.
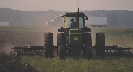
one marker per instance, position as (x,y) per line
(67,5)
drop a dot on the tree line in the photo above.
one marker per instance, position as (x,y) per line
(115,18)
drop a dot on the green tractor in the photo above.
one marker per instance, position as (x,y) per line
(74,38)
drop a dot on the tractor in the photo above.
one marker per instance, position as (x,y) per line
(74,38)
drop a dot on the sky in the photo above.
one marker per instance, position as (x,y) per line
(67,5)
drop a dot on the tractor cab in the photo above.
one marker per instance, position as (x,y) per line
(70,20)
(74,21)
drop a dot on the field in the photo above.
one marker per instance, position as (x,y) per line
(41,64)
(122,37)
(20,36)
(80,65)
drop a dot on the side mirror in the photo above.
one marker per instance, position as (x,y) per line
(61,29)
(86,18)
(87,29)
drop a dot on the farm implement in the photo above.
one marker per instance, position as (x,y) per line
(109,51)
(28,50)
(74,39)
(115,51)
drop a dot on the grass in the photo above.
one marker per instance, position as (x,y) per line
(80,65)
(42,64)
(13,64)
(122,40)
(123,37)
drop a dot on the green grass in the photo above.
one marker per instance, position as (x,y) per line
(122,40)
(13,64)
(79,65)
(42,64)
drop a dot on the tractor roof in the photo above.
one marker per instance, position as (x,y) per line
(73,14)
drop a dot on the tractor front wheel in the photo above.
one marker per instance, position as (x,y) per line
(48,44)
(87,50)
(61,44)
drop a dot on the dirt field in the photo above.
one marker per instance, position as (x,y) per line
(34,36)
(23,36)
(11,39)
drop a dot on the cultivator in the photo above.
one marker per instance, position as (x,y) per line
(26,50)
(74,38)
(115,51)
(109,51)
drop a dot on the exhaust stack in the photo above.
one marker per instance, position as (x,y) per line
(77,20)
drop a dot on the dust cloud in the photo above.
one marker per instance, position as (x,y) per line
(10,39)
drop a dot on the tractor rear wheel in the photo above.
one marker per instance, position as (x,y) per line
(61,44)
(100,45)
(87,51)
(48,44)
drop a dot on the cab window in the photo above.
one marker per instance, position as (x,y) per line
(70,22)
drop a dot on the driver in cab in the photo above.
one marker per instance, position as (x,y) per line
(73,24)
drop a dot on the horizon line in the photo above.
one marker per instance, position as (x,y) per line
(64,11)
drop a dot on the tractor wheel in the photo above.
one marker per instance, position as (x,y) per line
(100,45)
(87,51)
(55,52)
(48,44)
(61,52)
(61,44)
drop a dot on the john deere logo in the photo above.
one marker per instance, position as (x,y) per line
(75,38)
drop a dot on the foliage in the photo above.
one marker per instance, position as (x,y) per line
(13,64)
(80,65)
